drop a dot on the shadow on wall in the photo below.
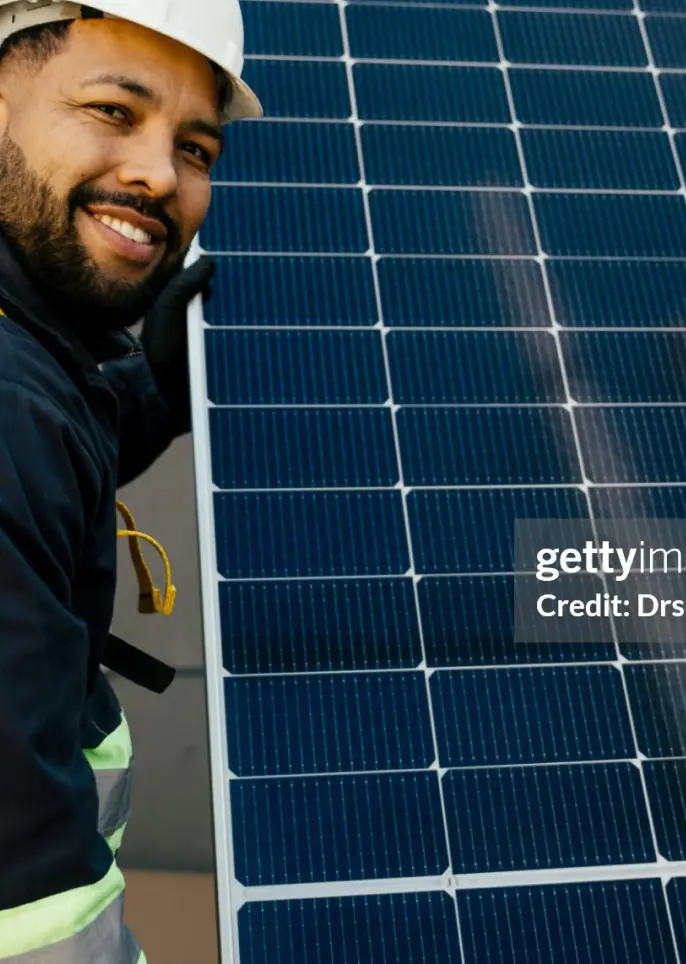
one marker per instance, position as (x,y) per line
(170,827)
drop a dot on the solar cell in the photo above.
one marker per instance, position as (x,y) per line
(586,98)
(430,92)
(612,160)
(570,38)
(598,922)
(440,156)
(449,296)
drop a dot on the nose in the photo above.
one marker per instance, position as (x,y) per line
(148,160)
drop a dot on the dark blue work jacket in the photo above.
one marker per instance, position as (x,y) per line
(78,419)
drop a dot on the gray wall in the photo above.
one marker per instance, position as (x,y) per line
(170,827)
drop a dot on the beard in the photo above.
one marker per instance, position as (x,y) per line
(40,229)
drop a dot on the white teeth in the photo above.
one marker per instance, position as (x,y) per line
(125,228)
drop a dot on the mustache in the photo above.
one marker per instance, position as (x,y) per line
(84,195)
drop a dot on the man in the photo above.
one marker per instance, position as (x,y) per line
(109,129)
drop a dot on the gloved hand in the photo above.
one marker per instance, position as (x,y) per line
(164,336)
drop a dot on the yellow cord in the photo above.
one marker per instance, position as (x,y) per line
(150,598)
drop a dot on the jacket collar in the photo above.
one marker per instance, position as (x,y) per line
(25,305)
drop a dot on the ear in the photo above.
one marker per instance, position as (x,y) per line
(4,115)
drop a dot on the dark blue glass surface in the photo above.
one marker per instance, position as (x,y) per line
(597,923)
(585,97)
(442,368)
(318,368)
(674,92)
(298,153)
(285,219)
(600,225)
(371,826)
(615,160)
(469,621)
(666,785)
(300,88)
(289,725)
(297,290)
(453,292)
(676,895)
(300,29)
(633,444)
(430,93)
(440,156)
(667,36)
(409,329)
(506,716)
(301,626)
(552,38)
(663,6)
(414,33)
(626,367)
(451,222)
(621,294)
(372,929)
(665,502)
(657,693)
(487,446)
(525,818)
(301,534)
(471,530)
(267,448)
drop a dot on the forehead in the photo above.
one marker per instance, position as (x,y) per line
(173,72)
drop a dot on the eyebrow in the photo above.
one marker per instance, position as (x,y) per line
(195,126)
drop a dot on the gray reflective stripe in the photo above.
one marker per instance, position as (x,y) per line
(104,941)
(114,798)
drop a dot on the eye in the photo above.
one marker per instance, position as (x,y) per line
(201,154)
(109,109)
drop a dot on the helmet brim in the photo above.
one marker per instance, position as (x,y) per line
(243,102)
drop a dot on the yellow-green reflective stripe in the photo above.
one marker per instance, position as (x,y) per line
(56,918)
(114,753)
(115,839)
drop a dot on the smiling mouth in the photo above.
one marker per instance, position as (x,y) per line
(125,229)
(131,243)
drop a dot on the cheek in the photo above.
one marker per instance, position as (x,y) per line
(194,200)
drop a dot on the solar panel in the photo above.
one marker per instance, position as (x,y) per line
(450,295)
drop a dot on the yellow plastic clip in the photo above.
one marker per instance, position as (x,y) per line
(150,598)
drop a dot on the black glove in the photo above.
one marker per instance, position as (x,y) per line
(164,336)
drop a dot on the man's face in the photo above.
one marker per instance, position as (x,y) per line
(118,125)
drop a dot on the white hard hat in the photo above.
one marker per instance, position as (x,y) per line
(212,27)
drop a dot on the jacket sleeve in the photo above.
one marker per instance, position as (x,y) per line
(146,425)
(48,798)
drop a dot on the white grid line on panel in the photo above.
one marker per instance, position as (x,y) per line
(426,487)
(462,882)
(439,257)
(476,668)
(452,188)
(539,764)
(470,329)
(496,405)
(580,457)
(486,125)
(507,8)
(472,574)
(341,4)
(474,6)
(501,66)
